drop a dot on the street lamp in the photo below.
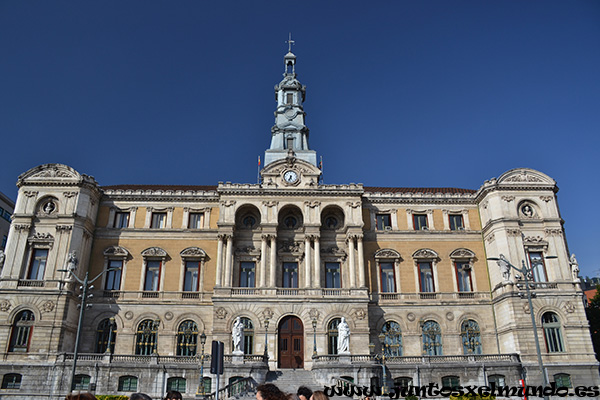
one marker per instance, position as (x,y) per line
(86,284)
(110,334)
(314,325)
(201,388)
(266,352)
(527,274)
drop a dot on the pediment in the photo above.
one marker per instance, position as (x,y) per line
(300,174)
(525,176)
(53,174)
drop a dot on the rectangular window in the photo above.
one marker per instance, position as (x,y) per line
(420,222)
(290,275)
(127,384)
(81,382)
(388,281)
(456,222)
(6,215)
(426,277)
(196,221)
(37,267)
(536,261)
(113,277)
(463,276)
(383,221)
(11,381)
(159,220)
(290,143)
(121,220)
(190,280)
(289,98)
(152,276)
(4,239)
(332,275)
(247,274)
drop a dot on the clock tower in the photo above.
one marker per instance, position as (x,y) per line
(289,134)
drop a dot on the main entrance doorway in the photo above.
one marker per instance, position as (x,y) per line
(291,343)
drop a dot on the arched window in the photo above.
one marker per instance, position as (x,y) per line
(145,341)
(392,337)
(127,384)
(471,337)
(432,339)
(176,383)
(21,331)
(107,331)
(187,338)
(82,382)
(11,381)
(552,335)
(248,336)
(332,336)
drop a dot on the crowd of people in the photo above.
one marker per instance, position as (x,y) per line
(266,391)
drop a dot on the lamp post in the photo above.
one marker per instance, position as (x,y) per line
(266,352)
(201,388)
(110,334)
(86,285)
(314,325)
(527,274)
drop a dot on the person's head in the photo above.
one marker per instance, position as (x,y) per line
(173,395)
(139,396)
(319,395)
(304,393)
(80,396)
(268,391)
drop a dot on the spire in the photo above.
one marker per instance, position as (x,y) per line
(289,135)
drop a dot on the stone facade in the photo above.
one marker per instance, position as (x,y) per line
(291,256)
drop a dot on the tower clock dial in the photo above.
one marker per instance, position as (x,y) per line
(290,176)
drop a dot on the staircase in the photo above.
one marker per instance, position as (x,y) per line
(289,380)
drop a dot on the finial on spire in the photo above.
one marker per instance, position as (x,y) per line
(290,42)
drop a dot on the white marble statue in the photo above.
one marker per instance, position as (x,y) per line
(2,258)
(343,345)
(237,334)
(504,267)
(574,268)
(72,261)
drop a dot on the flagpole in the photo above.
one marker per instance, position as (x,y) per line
(258,171)
(321,168)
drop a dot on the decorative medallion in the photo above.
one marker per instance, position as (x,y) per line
(168,315)
(267,313)
(5,305)
(49,207)
(360,314)
(221,313)
(48,306)
(527,211)
(411,316)
(569,307)
(450,316)
(128,315)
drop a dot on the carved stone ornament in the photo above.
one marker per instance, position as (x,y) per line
(312,204)
(513,232)
(553,231)
(450,316)
(526,210)
(334,250)
(569,307)
(546,198)
(354,204)
(523,177)
(48,306)
(54,172)
(313,314)
(221,313)
(462,253)
(193,252)
(360,314)
(228,203)
(5,305)
(168,315)
(245,250)
(526,308)
(69,194)
(154,252)
(485,204)
(49,207)
(289,246)
(30,193)
(129,315)
(490,238)
(267,313)
(425,253)
(270,203)
(22,227)
(116,251)
(507,198)
(64,228)
(411,316)
(534,240)
(387,253)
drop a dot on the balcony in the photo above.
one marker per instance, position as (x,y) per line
(391,298)
(422,360)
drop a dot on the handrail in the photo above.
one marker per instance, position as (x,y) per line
(236,389)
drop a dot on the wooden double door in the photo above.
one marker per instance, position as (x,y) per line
(291,343)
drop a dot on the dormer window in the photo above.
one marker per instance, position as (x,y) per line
(289,98)
(290,143)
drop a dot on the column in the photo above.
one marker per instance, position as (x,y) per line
(361,262)
(219,273)
(351,264)
(228,259)
(272,261)
(317,275)
(307,262)
(263,261)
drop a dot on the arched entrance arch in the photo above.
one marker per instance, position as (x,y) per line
(291,343)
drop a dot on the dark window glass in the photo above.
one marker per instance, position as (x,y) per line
(392,339)
(187,338)
(332,336)
(552,333)
(81,382)
(426,277)
(21,331)
(247,274)
(145,341)
(248,336)
(403,382)
(498,380)
(196,220)
(289,98)
(471,337)
(388,281)
(332,275)
(12,381)
(536,260)
(456,222)
(176,384)
(463,276)
(128,384)
(563,380)
(190,279)
(450,381)
(420,221)
(107,331)
(159,220)
(152,275)
(38,264)
(290,275)
(432,339)
(113,277)
(121,219)
(383,221)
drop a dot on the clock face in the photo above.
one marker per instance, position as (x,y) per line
(290,176)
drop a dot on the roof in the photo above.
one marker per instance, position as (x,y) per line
(160,187)
(590,295)
(377,189)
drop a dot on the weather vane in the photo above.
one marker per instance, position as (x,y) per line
(290,42)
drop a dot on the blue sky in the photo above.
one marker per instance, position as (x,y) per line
(399,93)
